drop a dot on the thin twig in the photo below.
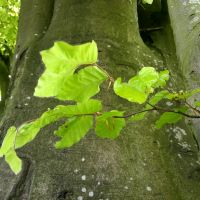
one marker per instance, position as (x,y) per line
(196,141)
(130,115)
(193,108)
(173,111)
(109,76)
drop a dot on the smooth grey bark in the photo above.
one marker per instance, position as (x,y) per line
(187,39)
(143,163)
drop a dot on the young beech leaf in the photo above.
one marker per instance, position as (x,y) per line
(197,104)
(192,93)
(142,85)
(8,150)
(168,118)
(60,62)
(153,101)
(163,78)
(29,131)
(8,142)
(14,161)
(83,85)
(73,131)
(183,95)
(138,117)
(129,92)
(148,75)
(157,98)
(107,126)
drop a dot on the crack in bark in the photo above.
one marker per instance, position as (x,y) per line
(19,188)
(50,19)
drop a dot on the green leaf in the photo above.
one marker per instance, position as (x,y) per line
(8,142)
(14,161)
(147,1)
(146,75)
(153,101)
(163,78)
(197,104)
(157,98)
(73,131)
(60,62)
(129,92)
(109,127)
(82,86)
(192,92)
(29,131)
(138,117)
(183,95)
(8,150)
(168,118)
(142,85)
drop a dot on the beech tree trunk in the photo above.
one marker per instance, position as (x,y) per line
(142,163)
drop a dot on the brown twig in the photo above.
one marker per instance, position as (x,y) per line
(173,111)
(193,108)
(130,115)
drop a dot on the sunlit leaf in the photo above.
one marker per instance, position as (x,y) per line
(163,78)
(107,126)
(29,131)
(138,117)
(192,92)
(8,150)
(9,141)
(129,92)
(152,101)
(83,85)
(14,161)
(142,85)
(73,131)
(183,94)
(157,98)
(147,75)
(60,62)
(197,103)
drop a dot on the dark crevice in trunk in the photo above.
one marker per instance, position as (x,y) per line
(156,32)
(152,19)
(22,187)
(51,14)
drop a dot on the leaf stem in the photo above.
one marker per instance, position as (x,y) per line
(173,111)
(193,108)
(132,114)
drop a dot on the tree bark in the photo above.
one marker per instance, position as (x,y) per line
(143,163)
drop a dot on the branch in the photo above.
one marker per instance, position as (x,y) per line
(130,115)
(173,111)
(193,108)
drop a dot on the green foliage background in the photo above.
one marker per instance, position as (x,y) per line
(9,11)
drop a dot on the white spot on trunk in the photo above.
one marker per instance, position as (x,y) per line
(91,194)
(83,178)
(80,198)
(149,189)
(83,189)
